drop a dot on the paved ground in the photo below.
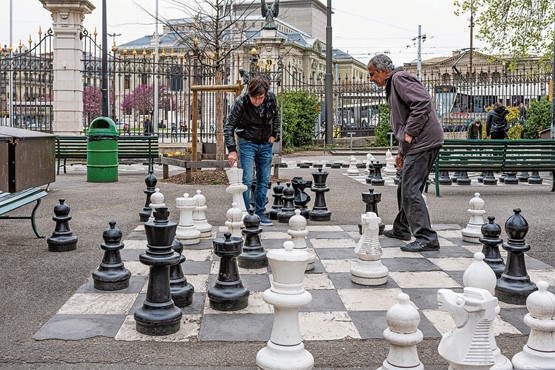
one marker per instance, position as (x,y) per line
(36,283)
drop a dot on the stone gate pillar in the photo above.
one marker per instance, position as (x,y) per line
(67,21)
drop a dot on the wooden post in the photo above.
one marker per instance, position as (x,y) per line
(194,124)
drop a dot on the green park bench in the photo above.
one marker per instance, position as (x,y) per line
(496,156)
(130,149)
(12,201)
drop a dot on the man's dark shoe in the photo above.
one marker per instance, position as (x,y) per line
(392,234)
(417,246)
(264,221)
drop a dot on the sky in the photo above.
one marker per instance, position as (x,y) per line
(362,28)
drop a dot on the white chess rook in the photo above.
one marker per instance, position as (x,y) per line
(234,221)
(368,268)
(236,188)
(298,232)
(285,349)
(403,335)
(186,232)
(473,230)
(539,351)
(199,217)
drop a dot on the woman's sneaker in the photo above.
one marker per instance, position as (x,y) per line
(264,221)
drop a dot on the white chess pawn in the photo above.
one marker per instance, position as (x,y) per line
(156,201)
(389,163)
(298,232)
(285,349)
(473,231)
(186,231)
(368,268)
(480,275)
(353,170)
(539,351)
(199,216)
(403,335)
(236,188)
(234,221)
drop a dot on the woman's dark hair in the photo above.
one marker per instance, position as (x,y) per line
(258,84)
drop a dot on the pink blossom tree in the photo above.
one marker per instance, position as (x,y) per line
(92,103)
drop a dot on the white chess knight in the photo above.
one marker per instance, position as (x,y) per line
(468,346)
(480,275)
(285,349)
(236,187)
(353,170)
(403,335)
(199,216)
(390,163)
(368,268)
(186,232)
(234,221)
(156,201)
(539,351)
(473,231)
(298,232)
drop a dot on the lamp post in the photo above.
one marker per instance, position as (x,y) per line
(329,78)
(10,58)
(114,50)
(104,87)
(254,60)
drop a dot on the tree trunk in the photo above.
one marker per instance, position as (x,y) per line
(220,148)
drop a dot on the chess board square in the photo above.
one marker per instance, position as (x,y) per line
(370,299)
(332,243)
(139,228)
(327,326)
(534,264)
(448,251)
(135,244)
(256,305)
(386,242)
(515,316)
(446,242)
(136,283)
(196,267)
(131,254)
(425,298)
(335,253)
(216,267)
(546,275)
(409,264)
(199,282)
(198,255)
(252,282)
(423,279)
(202,244)
(241,327)
(136,268)
(444,323)
(98,304)
(395,252)
(324,301)
(322,228)
(342,280)
(274,243)
(355,235)
(329,235)
(457,276)
(337,265)
(76,327)
(317,281)
(274,235)
(452,264)
(446,227)
(350,228)
(318,267)
(448,234)
(189,328)
(371,324)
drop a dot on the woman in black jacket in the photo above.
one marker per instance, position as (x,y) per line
(496,121)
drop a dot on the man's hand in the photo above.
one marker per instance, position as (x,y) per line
(271,139)
(399,162)
(232,158)
(408,138)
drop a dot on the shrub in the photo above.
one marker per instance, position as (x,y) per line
(300,112)
(538,118)
(382,138)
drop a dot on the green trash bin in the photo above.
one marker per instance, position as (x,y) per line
(102,151)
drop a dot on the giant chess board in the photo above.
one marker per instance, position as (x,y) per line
(339,309)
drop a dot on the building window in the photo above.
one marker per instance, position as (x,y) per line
(127,82)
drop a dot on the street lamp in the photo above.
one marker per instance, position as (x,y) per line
(254,60)
(114,50)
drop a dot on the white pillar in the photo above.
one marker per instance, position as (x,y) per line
(67,22)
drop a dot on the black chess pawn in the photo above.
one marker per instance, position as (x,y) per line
(514,285)
(254,255)
(150,182)
(463,178)
(159,315)
(288,209)
(489,178)
(444,178)
(378,180)
(320,210)
(511,178)
(455,176)
(490,240)
(502,177)
(181,290)
(301,197)
(228,293)
(523,176)
(62,239)
(535,178)
(111,274)
(480,177)
(371,200)
(278,201)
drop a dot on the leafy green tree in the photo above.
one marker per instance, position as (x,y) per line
(382,138)
(517,28)
(538,118)
(300,113)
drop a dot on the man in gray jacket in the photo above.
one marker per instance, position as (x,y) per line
(416,125)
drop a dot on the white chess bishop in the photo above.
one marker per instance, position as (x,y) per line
(389,163)
(285,349)
(368,268)
(473,230)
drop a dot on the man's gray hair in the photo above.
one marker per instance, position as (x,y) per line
(382,61)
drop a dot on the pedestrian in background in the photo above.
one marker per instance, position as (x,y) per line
(254,118)
(496,121)
(148,128)
(474,130)
(416,125)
